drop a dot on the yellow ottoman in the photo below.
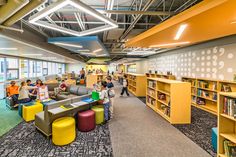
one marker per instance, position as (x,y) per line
(29,112)
(99,114)
(63,131)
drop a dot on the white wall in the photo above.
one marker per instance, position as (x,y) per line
(215,60)
(76,67)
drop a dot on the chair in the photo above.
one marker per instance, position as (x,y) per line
(86,121)
(99,114)
(63,131)
(29,112)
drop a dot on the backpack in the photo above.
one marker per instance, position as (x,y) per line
(111,93)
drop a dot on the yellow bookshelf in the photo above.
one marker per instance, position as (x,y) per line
(226,121)
(207,90)
(92,79)
(170,99)
(170,77)
(137,84)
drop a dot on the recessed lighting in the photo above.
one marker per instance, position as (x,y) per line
(36,18)
(101,55)
(95,51)
(83,50)
(180,31)
(70,45)
(29,54)
(170,44)
(9,49)
(234,22)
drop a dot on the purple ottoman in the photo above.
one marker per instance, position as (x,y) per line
(86,121)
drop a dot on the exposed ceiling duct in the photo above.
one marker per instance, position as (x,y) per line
(27,9)
(10,8)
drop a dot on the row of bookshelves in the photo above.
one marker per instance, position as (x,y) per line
(159,98)
(137,84)
(165,76)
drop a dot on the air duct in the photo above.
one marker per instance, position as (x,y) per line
(23,12)
(10,8)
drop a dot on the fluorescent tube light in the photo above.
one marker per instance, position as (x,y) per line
(35,19)
(234,22)
(70,45)
(180,31)
(101,55)
(32,54)
(95,51)
(83,50)
(9,49)
(170,44)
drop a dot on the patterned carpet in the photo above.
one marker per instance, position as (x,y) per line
(25,140)
(199,131)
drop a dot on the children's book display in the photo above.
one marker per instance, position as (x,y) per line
(43,93)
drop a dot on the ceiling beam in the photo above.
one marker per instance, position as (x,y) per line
(128,12)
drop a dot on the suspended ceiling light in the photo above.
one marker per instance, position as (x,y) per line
(98,50)
(32,54)
(83,50)
(9,49)
(171,44)
(180,31)
(36,18)
(69,45)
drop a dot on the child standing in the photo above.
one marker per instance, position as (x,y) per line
(125,86)
(110,86)
(105,99)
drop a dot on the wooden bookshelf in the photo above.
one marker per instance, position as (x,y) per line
(170,99)
(92,79)
(226,121)
(137,84)
(170,77)
(206,91)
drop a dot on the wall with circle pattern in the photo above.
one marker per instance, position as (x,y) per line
(213,63)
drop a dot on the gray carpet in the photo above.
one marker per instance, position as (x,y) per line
(25,141)
(138,131)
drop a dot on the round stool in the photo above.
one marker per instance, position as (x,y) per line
(63,131)
(86,120)
(99,114)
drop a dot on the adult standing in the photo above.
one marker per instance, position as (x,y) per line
(82,73)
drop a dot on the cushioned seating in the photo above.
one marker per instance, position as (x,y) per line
(63,131)
(86,120)
(83,91)
(20,107)
(29,112)
(99,114)
(214,138)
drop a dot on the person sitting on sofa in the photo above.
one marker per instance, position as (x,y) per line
(24,95)
(62,86)
(13,92)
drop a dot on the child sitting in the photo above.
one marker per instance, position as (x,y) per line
(62,86)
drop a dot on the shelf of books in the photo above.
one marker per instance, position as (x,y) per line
(151,75)
(204,92)
(227,124)
(137,84)
(92,79)
(170,99)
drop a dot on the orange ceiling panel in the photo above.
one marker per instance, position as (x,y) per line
(205,21)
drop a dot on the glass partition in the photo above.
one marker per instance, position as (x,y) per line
(12,68)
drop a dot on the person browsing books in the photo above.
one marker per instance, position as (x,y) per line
(125,86)
(110,87)
(105,99)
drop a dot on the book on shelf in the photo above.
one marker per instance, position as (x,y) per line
(201,101)
(151,84)
(229,148)
(151,92)
(151,101)
(214,87)
(203,84)
(203,93)
(161,96)
(229,107)
(214,96)
(166,110)
(225,88)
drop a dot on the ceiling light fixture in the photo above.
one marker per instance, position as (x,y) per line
(83,50)
(9,49)
(171,44)
(65,44)
(36,18)
(32,54)
(234,22)
(180,31)
(98,50)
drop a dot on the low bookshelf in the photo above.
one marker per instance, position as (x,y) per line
(152,75)
(226,124)
(170,99)
(92,79)
(204,92)
(137,84)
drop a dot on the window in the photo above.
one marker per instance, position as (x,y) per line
(53,68)
(39,68)
(49,68)
(24,71)
(12,65)
(2,70)
(45,68)
(59,68)
(63,71)
(32,68)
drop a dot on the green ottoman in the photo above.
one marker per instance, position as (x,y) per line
(99,114)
